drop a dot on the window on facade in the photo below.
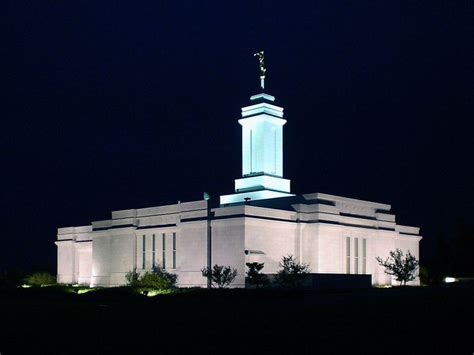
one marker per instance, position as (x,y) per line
(153,251)
(143,251)
(274,151)
(174,250)
(163,243)
(348,255)
(364,256)
(356,255)
(251,152)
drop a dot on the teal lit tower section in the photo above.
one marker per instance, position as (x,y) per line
(262,153)
(262,137)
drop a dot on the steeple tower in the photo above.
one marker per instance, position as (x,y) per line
(262,149)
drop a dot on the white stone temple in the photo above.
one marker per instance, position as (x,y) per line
(262,221)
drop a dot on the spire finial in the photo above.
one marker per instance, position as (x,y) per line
(261,66)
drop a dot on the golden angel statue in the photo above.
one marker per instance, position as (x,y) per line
(261,64)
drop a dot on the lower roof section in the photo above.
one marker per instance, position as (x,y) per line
(263,204)
(262,182)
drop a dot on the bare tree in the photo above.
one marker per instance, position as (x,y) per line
(403,267)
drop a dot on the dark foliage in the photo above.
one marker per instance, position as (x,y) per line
(9,279)
(463,251)
(222,276)
(254,275)
(292,273)
(453,255)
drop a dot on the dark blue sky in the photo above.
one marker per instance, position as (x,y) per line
(116,105)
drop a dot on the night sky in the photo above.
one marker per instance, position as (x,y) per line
(118,105)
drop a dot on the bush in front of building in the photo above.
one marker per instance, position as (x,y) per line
(292,273)
(222,276)
(40,279)
(158,279)
(255,277)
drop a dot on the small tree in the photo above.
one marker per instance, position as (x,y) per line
(292,273)
(400,266)
(40,279)
(222,276)
(254,275)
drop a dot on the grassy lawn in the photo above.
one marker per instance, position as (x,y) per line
(398,320)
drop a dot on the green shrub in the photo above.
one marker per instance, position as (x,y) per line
(40,279)
(157,279)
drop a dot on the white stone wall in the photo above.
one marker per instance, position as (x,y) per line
(313,233)
(113,256)
(382,245)
(66,262)
(331,249)
(307,245)
(83,263)
(192,253)
(74,255)
(275,238)
(228,246)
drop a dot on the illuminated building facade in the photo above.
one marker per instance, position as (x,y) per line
(262,221)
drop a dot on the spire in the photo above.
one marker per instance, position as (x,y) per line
(261,66)
(262,149)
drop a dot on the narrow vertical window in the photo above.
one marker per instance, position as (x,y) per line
(163,243)
(143,251)
(348,255)
(356,255)
(274,151)
(153,252)
(174,250)
(251,152)
(364,256)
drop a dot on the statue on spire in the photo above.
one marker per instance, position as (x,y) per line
(261,65)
